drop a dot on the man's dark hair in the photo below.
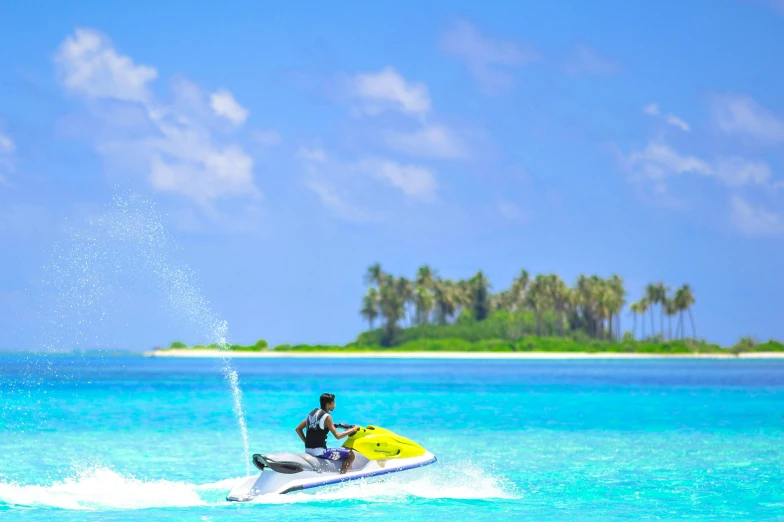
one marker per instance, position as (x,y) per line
(325,399)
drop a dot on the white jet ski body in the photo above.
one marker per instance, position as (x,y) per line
(377,452)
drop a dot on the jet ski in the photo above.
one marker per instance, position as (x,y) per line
(377,452)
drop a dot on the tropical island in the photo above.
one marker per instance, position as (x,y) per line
(540,314)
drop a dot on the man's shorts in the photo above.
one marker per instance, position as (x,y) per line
(329,453)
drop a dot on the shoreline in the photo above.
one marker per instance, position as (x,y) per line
(271,354)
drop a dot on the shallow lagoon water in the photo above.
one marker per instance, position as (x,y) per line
(133,438)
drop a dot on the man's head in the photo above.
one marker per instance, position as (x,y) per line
(327,401)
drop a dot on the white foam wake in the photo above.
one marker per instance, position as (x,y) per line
(101,488)
(464,481)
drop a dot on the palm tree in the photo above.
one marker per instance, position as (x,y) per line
(405,294)
(652,295)
(392,307)
(635,309)
(519,289)
(584,302)
(684,299)
(423,303)
(423,294)
(643,306)
(445,300)
(374,275)
(425,276)
(661,298)
(559,297)
(606,306)
(536,300)
(479,296)
(619,299)
(370,306)
(671,309)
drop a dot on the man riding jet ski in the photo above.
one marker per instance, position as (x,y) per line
(368,452)
(319,424)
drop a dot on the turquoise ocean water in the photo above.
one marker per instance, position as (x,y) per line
(133,438)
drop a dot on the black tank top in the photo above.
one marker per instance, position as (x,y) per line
(315,435)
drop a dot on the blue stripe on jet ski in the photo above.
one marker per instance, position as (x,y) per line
(338,480)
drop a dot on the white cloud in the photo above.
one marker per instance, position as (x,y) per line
(336,185)
(659,161)
(6,144)
(267,138)
(205,176)
(736,172)
(387,89)
(224,105)
(345,187)
(677,122)
(488,60)
(432,141)
(173,143)
(754,221)
(7,149)
(89,65)
(585,60)
(415,181)
(314,153)
(329,193)
(652,109)
(743,115)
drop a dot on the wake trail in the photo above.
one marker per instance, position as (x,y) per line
(100,488)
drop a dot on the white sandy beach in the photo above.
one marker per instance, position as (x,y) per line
(270,354)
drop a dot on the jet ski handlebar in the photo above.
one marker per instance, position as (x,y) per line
(345,426)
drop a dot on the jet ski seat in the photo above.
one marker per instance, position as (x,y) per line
(286,463)
(310,459)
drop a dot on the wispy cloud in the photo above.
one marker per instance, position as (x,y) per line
(88,64)
(585,60)
(743,115)
(267,138)
(737,172)
(658,161)
(490,61)
(677,122)
(344,186)
(174,143)
(755,220)
(313,153)
(7,149)
(652,109)
(431,141)
(388,90)
(224,105)
(415,181)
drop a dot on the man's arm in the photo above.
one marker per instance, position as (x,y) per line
(299,429)
(331,427)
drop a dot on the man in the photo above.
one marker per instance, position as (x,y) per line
(319,424)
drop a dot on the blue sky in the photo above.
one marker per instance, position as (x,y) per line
(288,148)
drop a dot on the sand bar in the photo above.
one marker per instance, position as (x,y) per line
(270,354)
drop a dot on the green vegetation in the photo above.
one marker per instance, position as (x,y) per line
(539,314)
(543,306)
(261,344)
